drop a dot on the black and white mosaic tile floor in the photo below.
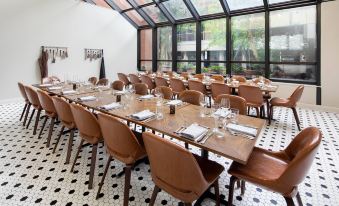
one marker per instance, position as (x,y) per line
(31,175)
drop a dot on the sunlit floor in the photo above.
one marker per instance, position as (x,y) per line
(31,174)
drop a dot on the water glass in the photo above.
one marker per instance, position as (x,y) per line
(225,103)
(159,112)
(234,116)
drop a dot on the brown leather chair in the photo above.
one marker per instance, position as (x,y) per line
(184,74)
(236,102)
(121,144)
(148,80)
(34,101)
(123,77)
(27,104)
(90,132)
(65,116)
(141,88)
(177,86)
(254,98)
(118,85)
(134,78)
(50,113)
(160,81)
(218,89)
(238,78)
(178,172)
(93,80)
(191,96)
(102,82)
(199,76)
(166,92)
(290,102)
(197,86)
(218,78)
(281,171)
(170,73)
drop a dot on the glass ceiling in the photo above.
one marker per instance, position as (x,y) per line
(150,13)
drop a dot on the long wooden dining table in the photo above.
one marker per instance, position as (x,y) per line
(232,146)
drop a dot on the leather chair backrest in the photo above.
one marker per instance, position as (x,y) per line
(141,88)
(134,78)
(191,96)
(218,89)
(64,111)
(177,85)
(218,78)
(251,94)
(166,92)
(46,102)
(86,123)
(120,141)
(102,82)
(22,91)
(296,95)
(160,81)
(118,85)
(173,168)
(184,74)
(123,77)
(239,78)
(199,76)
(32,96)
(236,102)
(147,80)
(93,80)
(197,86)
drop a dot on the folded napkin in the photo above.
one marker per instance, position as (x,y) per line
(194,131)
(102,86)
(242,129)
(222,112)
(113,105)
(69,92)
(54,88)
(271,86)
(87,98)
(120,92)
(148,96)
(46,85)
(174,102)
(143,115)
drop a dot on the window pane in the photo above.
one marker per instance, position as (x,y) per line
(277,1)
(248,37)
(155,13)
(164,66)
(213,40)
(213,68)
(102,3)
(146,65)
(146,44)
(186,38)
(294,72)
(189,67)
(205,7)
(134,16)
(122,4)
(247,69)
(142,2)
(164,43)
(178,9)
(244,4)
(293,35)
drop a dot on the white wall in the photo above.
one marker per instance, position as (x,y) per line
(26,25)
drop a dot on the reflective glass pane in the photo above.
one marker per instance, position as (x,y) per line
(122,4)
(205,7)
(186,38)
(164,66)
(213,68)
(154,12)
(146,65)
(142,2)
(293,35)
(305,73)
(102,3)
(213,40)
(134,16)
(277,1)
(247,69)
(146,44)
(244,4)
(189,67)
(164,36)
(248,37)
(178,9)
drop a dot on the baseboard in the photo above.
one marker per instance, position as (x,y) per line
(10,101)
(319,108)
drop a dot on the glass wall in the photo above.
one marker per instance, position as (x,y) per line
(146,49)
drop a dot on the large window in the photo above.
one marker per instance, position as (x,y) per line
(146,49)
(177,9)
(164,41)
(186,47)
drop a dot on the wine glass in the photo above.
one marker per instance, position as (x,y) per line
(203,104)
(225,103)
(158,94)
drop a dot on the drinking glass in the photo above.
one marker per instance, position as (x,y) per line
(203,109)
(217,121)
(158,94)
(234,116)
(225,103)
(159,112)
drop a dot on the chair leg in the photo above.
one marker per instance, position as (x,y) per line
(289,201)
(77,154)
(23,112)
(104,176)
(296,117)
(43,127)
(233,179)
(27,112)
(128,169)
(92,169)
(30,119)
(216,191)
(243,187)
(270,115)
(258,113)
(36,121)
(51,127)
(300,203)
(186,145)
(268,108)
(154,195)
(248,110)
(188,204)
(59,137)
(69,149)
